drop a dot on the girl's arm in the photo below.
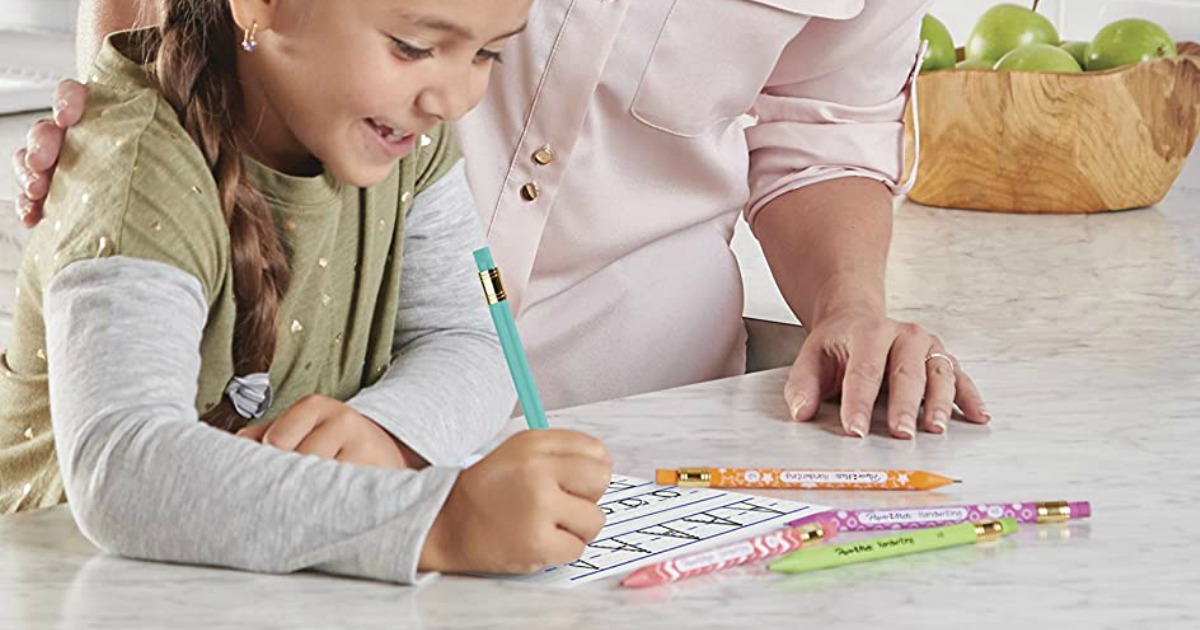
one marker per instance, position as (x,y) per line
(447,392)
(146,479)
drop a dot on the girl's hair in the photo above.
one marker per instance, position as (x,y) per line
(196,63)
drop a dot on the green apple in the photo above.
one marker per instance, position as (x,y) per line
(1005,27)
(1128,41)
(939,54)
(1078,50)
(1038,58)
(975,64)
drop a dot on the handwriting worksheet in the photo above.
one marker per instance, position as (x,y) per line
(649,523)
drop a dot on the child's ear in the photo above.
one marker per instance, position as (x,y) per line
(248,13)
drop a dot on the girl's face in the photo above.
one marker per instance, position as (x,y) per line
(350,85)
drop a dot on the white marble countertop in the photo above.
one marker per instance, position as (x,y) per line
(1083,334)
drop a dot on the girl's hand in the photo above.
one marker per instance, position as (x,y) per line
(331,429)
(529,504)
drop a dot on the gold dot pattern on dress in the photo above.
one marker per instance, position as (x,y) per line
(156,225)
(322,262)
(382,225)
(29,433)
(297,327)
(57,225)
(41,353)
(289,226)
(86,198)
(326,300)
(405,196)
(426,141)
(196,189)
(337,339)
(102,246)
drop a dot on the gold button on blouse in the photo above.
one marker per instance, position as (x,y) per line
(530,192)
(543,156)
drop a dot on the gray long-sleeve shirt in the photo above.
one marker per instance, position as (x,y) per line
(145,479)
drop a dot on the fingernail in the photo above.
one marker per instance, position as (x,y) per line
(939,418)
(23,207)
(59,106)
(906,426)
(858,425)
(797,404)
(987,415)
(940,425)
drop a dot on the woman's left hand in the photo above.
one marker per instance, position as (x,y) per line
(331,429)
(852,352)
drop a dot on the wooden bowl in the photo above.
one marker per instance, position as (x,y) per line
(1056,142)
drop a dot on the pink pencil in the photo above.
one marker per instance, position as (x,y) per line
(768,545)
(919,517)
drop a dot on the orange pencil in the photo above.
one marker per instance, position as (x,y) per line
(801,479)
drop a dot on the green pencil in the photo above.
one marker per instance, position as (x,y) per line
(510,340)
(899,544)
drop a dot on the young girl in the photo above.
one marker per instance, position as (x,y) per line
(222,253)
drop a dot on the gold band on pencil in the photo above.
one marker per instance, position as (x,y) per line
(1053,512)
(493,288)
(989,530)
(694,478)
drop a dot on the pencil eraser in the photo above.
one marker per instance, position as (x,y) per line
(664,477)
(483,259)
(1080,509)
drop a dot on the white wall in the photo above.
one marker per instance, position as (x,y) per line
(1080,19)
(54,15)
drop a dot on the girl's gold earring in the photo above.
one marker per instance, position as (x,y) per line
(250,40)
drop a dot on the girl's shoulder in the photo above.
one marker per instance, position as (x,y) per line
(132,182)
(437,152)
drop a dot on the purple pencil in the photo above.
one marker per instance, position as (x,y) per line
(936,516)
